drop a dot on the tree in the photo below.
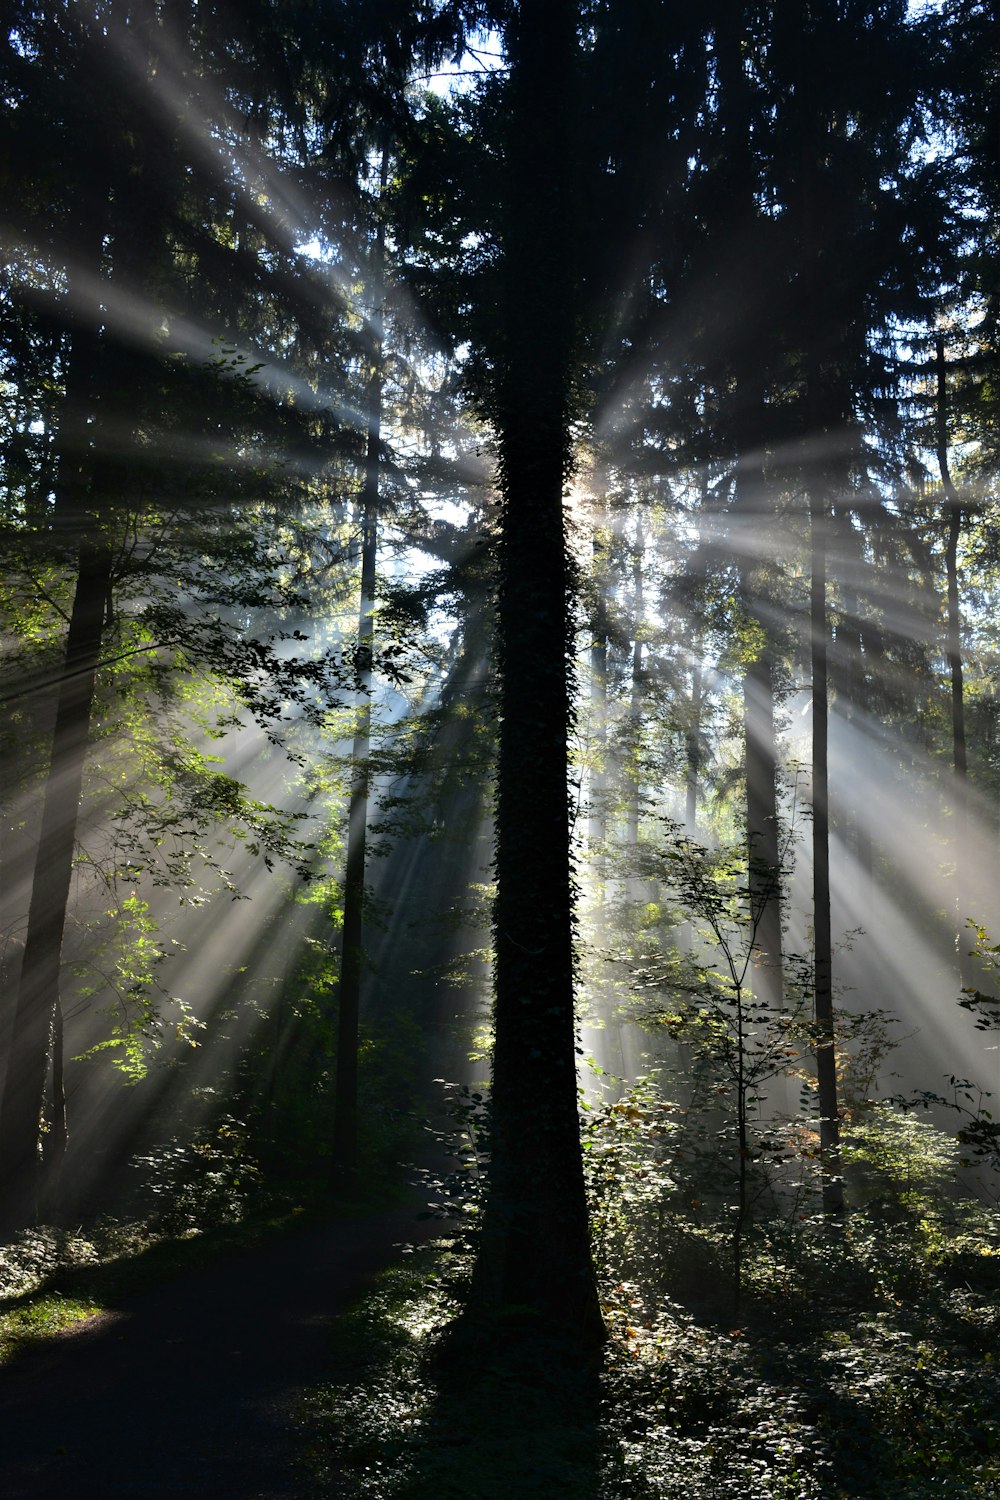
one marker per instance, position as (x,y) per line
(535,1249)
(108,257)
(953,516)
(345,1122)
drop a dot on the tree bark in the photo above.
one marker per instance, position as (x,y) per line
(692,746)
(38,989)
(345,1109)
(763,849)
(760,740)
(826,1056)
(534,1258)
(750,419)
(953,514)
(633,780)
(36,1021)
(597,830)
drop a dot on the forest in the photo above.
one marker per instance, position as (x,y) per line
(500,509)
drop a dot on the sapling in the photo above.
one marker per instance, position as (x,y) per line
(714,1009)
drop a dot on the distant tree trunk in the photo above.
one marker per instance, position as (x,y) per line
(750,418)
(692,745)
(37,1023)
(826,1056)
(760,740)
(953,512)
(597,830)
(38,989)
(852,647)
(534,1254)
(763,849)
(826,410)
(633,781)
(345,1107)
(56,1139)
(110,223)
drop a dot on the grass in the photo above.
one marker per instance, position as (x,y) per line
(41,1318)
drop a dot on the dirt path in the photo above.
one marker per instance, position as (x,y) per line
(190,1387)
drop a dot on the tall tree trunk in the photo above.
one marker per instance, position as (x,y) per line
(851,650)
(37,1022)
(597,830)
(534,1251)
(760,740)
(345,1108)
(111,220)
(750,420)
(826,410)
(953,513)
(38,989)
(763,848)
(692,746)
(633,780)
(56,1138)
(826,1056)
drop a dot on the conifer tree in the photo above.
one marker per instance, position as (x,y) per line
(117,244)
(535,1249)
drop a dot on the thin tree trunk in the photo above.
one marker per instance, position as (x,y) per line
(953,511)
(597,831)
(56,1139)
(826,1057)
(36,1020)
(345,1109)
(38,990)
(633,780)
(851,652)
(827,408)
(692,789)
(763,849)
(760,740)
(750,423)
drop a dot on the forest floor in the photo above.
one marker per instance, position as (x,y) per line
(190,1386)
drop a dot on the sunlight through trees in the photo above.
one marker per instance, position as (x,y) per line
(499,513)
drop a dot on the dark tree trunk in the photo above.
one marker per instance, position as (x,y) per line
(345,1109)
(760,740)
(826,1056)
(633,780)
(953,512)
(692,744)
(763,849)
(111,209)
(852,684)
(38,990)
(37,1024)
(826,411)
(597,831)
(535,1246)
(751,503)
(56,1139)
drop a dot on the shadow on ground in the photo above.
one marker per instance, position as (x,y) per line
(190,1387)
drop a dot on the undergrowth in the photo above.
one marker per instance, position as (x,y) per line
(415,1413)
(880,1380)
(859,1362)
